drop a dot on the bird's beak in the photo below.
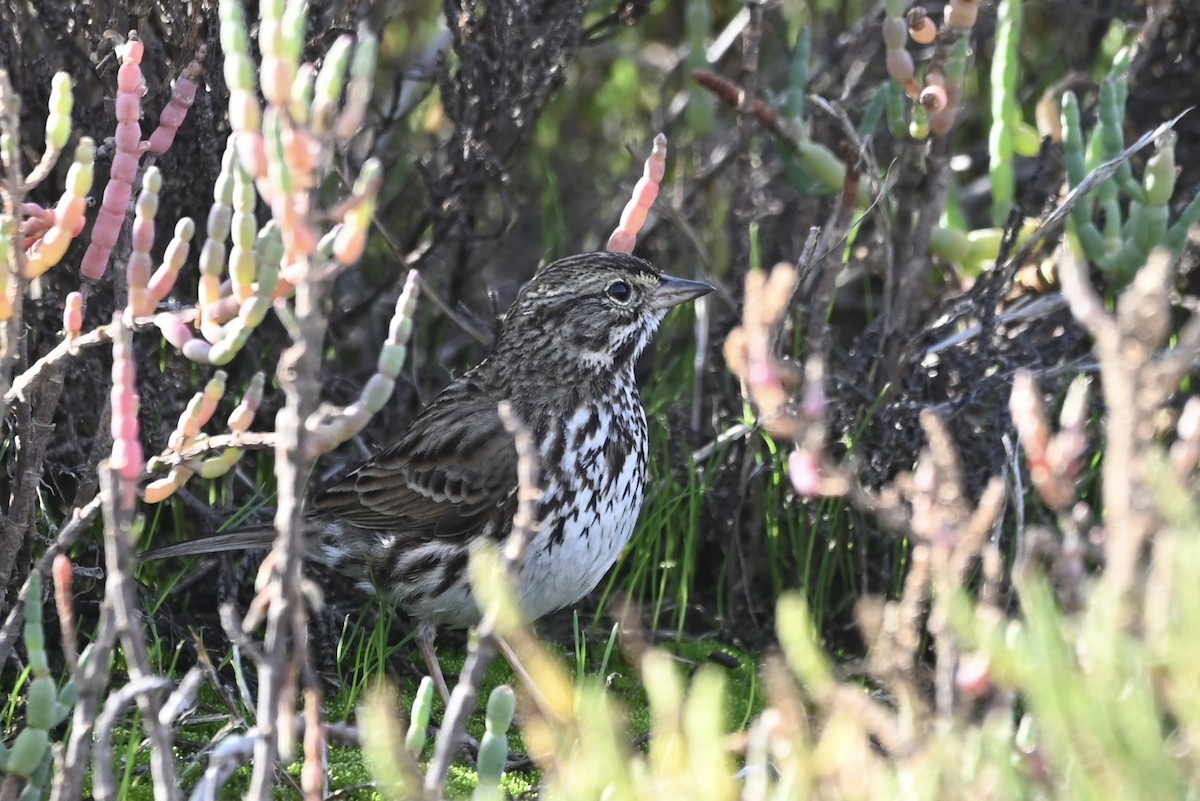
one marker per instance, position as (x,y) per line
(673,291)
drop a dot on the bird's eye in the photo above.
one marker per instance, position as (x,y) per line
(619,291)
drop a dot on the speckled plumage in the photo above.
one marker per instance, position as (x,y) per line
(406,521)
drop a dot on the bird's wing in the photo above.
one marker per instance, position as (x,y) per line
(454,467)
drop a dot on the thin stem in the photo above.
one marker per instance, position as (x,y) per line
(483,644)
(119,508)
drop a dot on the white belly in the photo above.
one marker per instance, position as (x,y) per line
(558,571)
(575,545)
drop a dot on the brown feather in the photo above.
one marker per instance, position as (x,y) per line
(244,540)
(450,471)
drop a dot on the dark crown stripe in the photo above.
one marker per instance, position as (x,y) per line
(604,259)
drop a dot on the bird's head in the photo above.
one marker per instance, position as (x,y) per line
(595,311)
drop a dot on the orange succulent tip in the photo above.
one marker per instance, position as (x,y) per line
(130,81)
(141,302)
(127,458)
(191,423)
(46,252)
(634,218)
(73,314)
(284,289)
(242,292)
(162,282)
(253,153)
(645,192)
(208,406)
(209,290)
(963,14)
(223,310)
(174,330)
(933,98)
(128,107)
(973,676)
(303,240)
(61,573)
(349,244)
(125,427)
(813,404)
(240,419)
(621,241)
(35,265)
(656,164)
(924,33)
(214,390)
(158,491)
(245,115)
(193,69)
(300,150)
(804,469)
(131,51)
(68,212)
(265,189)
(276,76)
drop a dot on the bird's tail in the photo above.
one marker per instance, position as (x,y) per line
(244,540)
(353,552)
